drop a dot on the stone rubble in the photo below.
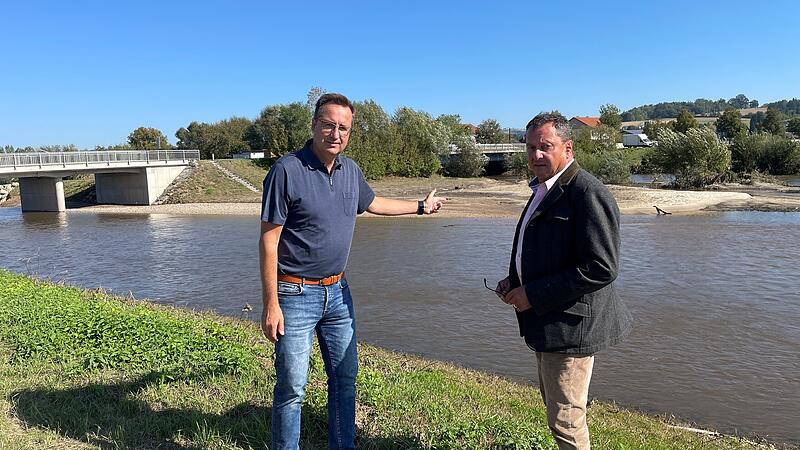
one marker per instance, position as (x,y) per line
(6,190)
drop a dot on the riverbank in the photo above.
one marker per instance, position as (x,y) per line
(489,197)
(84,369)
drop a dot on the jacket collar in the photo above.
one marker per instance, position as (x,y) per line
(557,190)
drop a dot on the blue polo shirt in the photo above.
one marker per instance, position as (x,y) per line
(316,209)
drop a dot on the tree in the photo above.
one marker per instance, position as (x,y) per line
(467,161)
(697,157)
(729,125)
(490,132)
(220,139)
(144,138)
(296,119)
(652,128)
(609,115)
(740,101)
(268,132)
(313,95)
(599,139)
(370,139)
(753,103)
(280,128)
(453,123)
(685,121)
(773,122)
(417,142)
(755,122)
(794,126)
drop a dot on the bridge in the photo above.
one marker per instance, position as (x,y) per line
(135,177)
(496,154)
(499,152)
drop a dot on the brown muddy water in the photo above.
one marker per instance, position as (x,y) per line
(716,297)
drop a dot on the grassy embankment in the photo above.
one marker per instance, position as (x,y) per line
(207,184)
(82,369)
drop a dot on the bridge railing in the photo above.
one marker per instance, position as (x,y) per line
(63,159)
(492,148)
(501,148)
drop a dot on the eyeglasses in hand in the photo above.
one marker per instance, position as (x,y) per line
(485,283)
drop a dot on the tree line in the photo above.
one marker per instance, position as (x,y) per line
(697,154)
(707,108)
(412,143)
(406,143)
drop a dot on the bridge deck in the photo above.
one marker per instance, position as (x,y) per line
(41,163)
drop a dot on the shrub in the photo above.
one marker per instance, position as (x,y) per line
(766,153)
(517,164)
(468,162)
(697,157)
(609,167)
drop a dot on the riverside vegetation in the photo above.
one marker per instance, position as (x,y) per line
(86,369)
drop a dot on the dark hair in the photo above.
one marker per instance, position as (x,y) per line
(336,99)
(560,123)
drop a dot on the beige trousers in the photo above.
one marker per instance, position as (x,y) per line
(564,384)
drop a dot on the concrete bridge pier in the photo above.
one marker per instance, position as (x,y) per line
(42,194)
(139,187)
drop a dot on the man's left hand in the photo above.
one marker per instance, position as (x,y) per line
(518,299)
(433,203)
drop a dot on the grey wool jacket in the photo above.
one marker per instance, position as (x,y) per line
(570,259)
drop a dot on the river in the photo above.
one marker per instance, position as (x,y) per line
(716,296)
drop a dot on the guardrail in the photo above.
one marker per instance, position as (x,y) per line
(63,159)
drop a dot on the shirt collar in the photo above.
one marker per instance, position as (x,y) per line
(534,183)
(312,161)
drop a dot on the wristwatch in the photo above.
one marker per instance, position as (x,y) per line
(420,207)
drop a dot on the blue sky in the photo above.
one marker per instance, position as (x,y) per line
(88,73)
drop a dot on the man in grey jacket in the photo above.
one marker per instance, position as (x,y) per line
(564,259)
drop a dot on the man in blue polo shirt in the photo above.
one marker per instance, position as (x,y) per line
(311,199)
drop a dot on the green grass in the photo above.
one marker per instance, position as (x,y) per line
(82,369)
(207,184)
(246,169)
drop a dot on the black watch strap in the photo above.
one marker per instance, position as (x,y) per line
(420,207)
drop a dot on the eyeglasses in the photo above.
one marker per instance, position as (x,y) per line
(328,127)
(485,283)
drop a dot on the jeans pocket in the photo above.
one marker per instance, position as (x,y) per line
(285,288)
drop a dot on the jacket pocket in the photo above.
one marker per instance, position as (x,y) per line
(579,309)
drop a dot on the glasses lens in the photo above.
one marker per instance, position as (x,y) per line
(329,127)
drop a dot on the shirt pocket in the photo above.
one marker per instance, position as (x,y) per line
(350,203)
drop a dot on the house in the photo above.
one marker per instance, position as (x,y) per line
(248,155)
(583,122)
(579,123)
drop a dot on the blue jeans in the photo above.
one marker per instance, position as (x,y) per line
(328,311)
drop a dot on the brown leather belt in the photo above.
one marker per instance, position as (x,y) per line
(327,281)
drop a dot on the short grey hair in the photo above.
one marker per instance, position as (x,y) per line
(560,124)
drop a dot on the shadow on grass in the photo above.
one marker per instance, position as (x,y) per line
(82,199)
(111,416)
